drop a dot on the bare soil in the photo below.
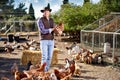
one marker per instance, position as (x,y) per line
(88,71)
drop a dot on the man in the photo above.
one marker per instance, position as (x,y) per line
(46,28)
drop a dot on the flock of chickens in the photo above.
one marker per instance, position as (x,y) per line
(87,56)
(84,55)
(10,47)
(36,72)
(64,72)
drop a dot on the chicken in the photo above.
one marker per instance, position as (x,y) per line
(31,41)
(46,76)
(100,59)
(62,75)
(67,63)
(77,56)
(33,48)
(68,77)
(14,68)
(19,75)
(59,28)
(9,49)
(42,67)
(26,46)
(70,64)
(73,48)
(72,67)
(59,74)
(77,70)
(53,76)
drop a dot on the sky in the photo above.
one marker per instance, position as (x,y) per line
(54,4)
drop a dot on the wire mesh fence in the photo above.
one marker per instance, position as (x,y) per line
(107,43)
(18,26)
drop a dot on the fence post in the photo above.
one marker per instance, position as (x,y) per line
(93,41)
(113,54)
(81,38)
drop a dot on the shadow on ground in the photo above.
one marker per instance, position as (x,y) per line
(5,67)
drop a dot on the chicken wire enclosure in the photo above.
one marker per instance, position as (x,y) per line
(18,26)
(97,40)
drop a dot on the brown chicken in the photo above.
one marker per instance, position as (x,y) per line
(59,28)
(9,49)
(59,74)
(42,67)
(35,71)
(19,75)
(26,46)
(72,67)
(77,70)
(77,56)
(62,75)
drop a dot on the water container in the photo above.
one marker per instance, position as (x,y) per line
(107,47)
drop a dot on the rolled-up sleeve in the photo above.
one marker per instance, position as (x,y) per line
(42,28)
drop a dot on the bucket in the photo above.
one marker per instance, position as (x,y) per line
(16,38)
(10,37)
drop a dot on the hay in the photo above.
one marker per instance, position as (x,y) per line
(35,57)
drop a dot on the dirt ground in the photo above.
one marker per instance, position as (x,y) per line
(88,71)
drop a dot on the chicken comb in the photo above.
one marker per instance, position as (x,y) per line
(44,63)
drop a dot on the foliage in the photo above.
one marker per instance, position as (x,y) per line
(76,17)
(20,11)
(111,5)
(31,12)
(7,8)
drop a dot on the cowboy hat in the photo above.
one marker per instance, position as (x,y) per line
(47,8)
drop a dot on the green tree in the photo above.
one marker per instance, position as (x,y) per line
(111,5)
(20,11)
(7,8)
(86,1)
(65,1)
(31,11)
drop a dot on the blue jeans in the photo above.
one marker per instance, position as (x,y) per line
(46,47)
